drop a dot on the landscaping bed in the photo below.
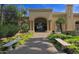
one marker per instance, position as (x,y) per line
(74,48)
(24,37)
(73,40)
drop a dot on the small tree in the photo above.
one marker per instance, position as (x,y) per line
(22,20)
(60,22)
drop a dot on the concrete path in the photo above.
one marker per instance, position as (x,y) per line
(36,46)
(41,35)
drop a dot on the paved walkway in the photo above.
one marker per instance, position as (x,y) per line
(41,35)
(36,46)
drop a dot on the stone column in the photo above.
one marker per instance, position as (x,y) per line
(70,20)
(48,25)
(51,25)
(31,25)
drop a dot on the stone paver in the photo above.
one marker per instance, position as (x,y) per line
(36,46)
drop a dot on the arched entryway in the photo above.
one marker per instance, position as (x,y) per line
(40,25)
(77,26)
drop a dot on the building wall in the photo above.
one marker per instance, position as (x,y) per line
(76,19)
(40,13)
(55,18)
(70,20)
(69,16)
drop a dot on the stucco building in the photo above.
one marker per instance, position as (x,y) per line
(44,20)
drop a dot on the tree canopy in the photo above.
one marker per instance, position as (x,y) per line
(60,20)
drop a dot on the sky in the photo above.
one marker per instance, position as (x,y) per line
(54,7)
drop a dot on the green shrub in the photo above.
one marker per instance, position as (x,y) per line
(6,40)
(69,33)
(13,29)
(62,36)
(3,30)
(8,30)
(73,49)
(24,37)
(25,27)
(72,40)
(75,44)
(4,48)
(15,45)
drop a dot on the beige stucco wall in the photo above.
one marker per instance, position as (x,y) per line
(55,17)
(69,16)
(76,19)
(40,13)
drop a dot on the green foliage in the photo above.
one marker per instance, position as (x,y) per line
(23,11)
(62,36)
(60,20)
(9,19)
(13,28)
(69,33)
(6,40)
(72,40)
(3,31)
(25,27)
(4,48)
(8,30)
(75,44)
(24,37)
(74,49)
(11,14)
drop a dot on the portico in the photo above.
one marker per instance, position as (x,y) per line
(40,20)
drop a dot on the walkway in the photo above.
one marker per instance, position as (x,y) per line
(41,35)
(36,46)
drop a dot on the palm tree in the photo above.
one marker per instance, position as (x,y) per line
(60,22)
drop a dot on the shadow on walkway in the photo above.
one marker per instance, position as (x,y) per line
(36,46)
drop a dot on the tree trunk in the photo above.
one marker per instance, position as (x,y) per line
(2,18)
(61,27)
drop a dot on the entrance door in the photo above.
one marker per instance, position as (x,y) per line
(40,25)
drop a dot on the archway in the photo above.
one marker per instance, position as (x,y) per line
(40,25)
(77,26)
